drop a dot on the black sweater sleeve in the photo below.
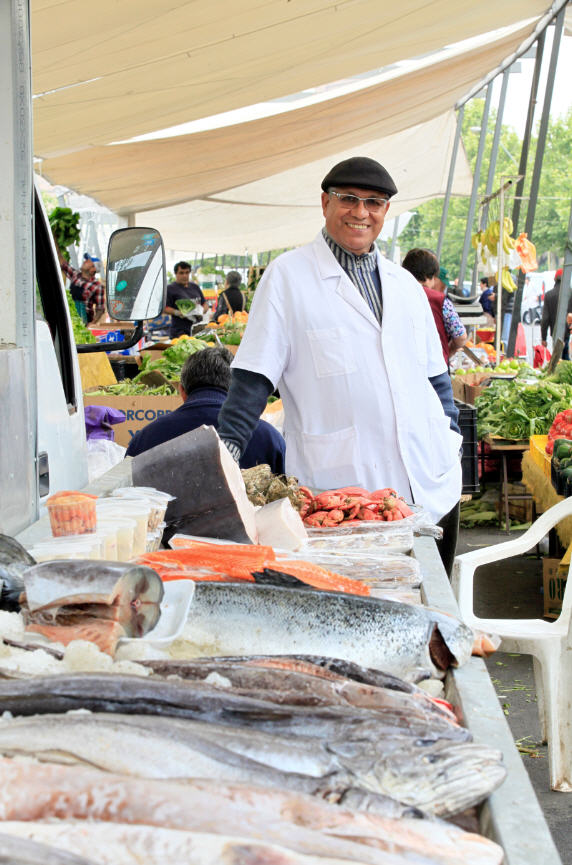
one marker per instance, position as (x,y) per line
(246,400)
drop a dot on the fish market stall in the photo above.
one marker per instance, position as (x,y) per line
(305,717)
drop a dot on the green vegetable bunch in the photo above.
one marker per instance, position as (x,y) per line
(64,223)
(516,410)
(172,360)
(563,372)
(185,305)
(130,387)
(81,334)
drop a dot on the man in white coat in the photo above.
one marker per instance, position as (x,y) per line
(349,339)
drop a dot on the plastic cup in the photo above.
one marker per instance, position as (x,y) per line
(157,500)
(130,509)
(71,514)
(108,529)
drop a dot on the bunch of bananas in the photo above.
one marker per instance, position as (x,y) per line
(490,237)
(507,281)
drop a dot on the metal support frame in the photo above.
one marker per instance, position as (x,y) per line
(492,166)
(535,181)
(565,288)
(476,178)
(446,200)
(18,381)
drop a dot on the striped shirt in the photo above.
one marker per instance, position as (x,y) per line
(363,272)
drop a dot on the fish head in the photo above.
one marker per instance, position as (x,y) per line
(14,562)
(451,641)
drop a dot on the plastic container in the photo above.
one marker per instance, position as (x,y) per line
(157,499)
(86,546)
(108,528)
(72,513)
(135,511)
(125,528)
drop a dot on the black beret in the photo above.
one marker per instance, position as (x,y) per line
(360,171)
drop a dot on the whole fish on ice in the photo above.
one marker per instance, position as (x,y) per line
(441,777)
(247,619)
(39,791)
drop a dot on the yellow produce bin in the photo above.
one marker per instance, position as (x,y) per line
(538,454)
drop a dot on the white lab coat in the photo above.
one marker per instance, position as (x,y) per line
(358,406)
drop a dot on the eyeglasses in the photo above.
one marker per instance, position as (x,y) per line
(373,205)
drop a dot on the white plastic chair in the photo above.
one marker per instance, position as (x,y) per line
(550,643)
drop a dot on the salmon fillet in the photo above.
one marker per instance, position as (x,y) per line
(103,632)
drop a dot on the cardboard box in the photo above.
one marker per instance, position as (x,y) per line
(554,576)
(139,411)
(466,388)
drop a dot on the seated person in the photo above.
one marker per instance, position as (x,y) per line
(231,299)
(487,300)
(205,379)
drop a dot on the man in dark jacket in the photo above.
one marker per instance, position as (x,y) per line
(549,311)
(205,379)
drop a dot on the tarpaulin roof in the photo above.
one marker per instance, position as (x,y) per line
(120,69)
(284,210)
(147,174)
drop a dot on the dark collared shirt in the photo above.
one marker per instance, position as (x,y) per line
(363,272)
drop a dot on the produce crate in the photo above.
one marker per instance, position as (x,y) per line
(470,458)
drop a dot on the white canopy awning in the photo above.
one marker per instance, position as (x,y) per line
(284,210)
(120,69)
(158,173)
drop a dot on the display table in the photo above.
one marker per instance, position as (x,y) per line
(502,449)
(545,496)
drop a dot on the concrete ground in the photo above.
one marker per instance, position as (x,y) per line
(513,589)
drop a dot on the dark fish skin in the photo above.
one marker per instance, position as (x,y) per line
(303,684)
(190,468)
(402,714)
(11,552)
(337,667)
(20,851)
(14,560)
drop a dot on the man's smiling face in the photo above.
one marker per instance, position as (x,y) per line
(354,228)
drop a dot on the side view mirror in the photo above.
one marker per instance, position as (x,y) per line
(136,284)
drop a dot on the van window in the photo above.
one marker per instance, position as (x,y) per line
(52,303)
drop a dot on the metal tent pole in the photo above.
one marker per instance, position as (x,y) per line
(460,113)
(565,290)
(492,167)
(540,146)
(476,177)
(394,239)
(516,310)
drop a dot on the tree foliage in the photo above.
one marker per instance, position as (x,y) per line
(553,205)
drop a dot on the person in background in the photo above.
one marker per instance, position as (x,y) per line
(182,289)
(348,338)
(231,299)
(548,320)
(424,266)
(85,288)
(205,379)
(487,300)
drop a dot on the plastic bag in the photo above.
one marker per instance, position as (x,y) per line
(541,356)
(102,455)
